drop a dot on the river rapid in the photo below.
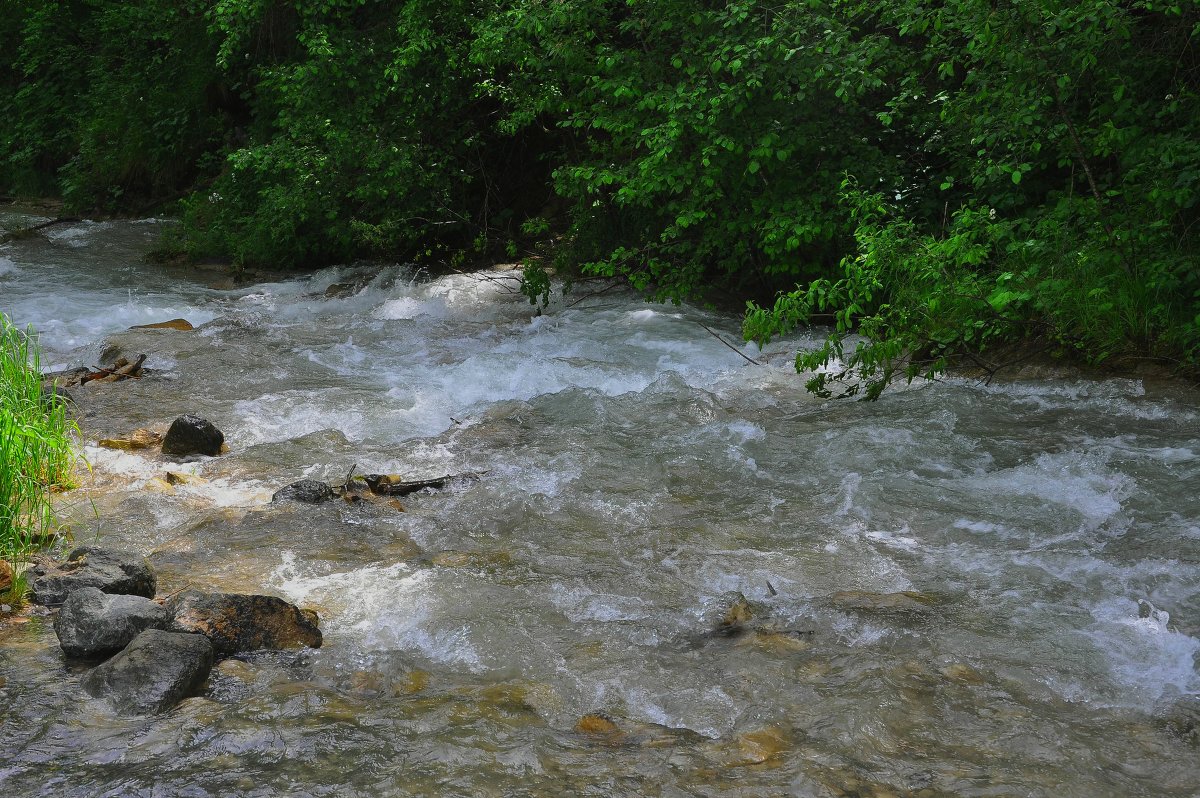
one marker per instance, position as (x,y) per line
(636,474)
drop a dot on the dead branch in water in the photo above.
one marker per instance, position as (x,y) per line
(25,232)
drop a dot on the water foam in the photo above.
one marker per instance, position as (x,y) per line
(1148,660)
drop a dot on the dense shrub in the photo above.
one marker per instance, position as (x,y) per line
(943,177)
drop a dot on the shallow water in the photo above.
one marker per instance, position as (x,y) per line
(635,474)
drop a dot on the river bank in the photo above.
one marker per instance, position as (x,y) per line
(638,476)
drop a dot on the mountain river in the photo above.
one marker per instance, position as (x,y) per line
(635,475)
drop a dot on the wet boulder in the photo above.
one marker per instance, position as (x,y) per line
(192,435)
(108,570)
(92,623)
(235,622)
(306,491)
(153,673)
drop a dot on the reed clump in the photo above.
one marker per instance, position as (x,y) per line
(36,446)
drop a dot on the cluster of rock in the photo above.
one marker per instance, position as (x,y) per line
(156,652)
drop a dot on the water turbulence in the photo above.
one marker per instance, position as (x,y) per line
(958,590)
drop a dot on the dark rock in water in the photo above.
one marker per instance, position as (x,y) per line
(1184,719)
(236,622)
(308,491)
(53,395)
(110,571)
(153,673)
(92,623)
(192,435)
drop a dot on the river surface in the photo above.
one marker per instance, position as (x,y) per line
(636,474)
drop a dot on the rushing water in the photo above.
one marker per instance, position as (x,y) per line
(636,473)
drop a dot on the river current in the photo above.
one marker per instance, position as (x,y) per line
(635,475)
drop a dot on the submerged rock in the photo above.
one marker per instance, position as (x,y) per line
(307,491)
(180,478)
(1184,720)
(235,622)
(173,324)
(907,602)
(193,435)
(153,673)
(597,724)
(92,623)
(110,571)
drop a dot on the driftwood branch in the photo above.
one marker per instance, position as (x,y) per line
(388,485)
(28,231)
(121,370)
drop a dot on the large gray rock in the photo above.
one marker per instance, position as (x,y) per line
(153,673)
(92,623)
(108,570)
(236,622)
(192,435)
(307,491)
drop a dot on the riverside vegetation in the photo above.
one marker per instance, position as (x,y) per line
(35,446)
(946,179)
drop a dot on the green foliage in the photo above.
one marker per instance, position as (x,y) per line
(112,99)
(35,445)
(1019,169)
(708,141)
(1065,151)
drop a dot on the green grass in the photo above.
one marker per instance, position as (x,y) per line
(36,453)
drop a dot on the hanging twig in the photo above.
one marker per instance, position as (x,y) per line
(731,346)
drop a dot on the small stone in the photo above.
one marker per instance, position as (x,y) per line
(173,324)
(904,602)
(92,623)
(181,478)
(236,622)
(159,485)
(153,673)
(192,435)
(757,747)
(413,683)
(6,576)
(960,672)
(111,571)
(738,614)
(306,491)
(597,725)
(471,559)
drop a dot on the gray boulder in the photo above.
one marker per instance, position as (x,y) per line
(92,623)
(307,491)
(236,622)
(108,570)
(153,673)
(192,435)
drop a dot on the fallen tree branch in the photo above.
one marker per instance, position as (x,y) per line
(389,485)
(25,232)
